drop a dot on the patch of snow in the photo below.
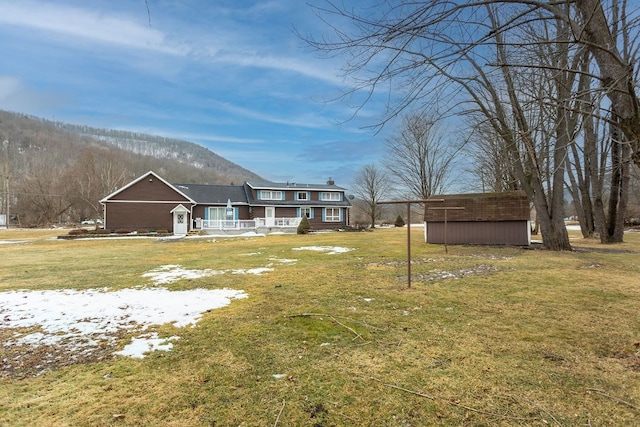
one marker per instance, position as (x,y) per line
(146,344)
(256,271)
(79,320)
(11,242)
(279,376)
(283,260)
(172,273)
(330,250)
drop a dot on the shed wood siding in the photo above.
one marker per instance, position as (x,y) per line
(514,233)
(134,216)
(507,206)
(487,219)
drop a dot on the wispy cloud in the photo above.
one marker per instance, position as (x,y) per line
(301,120)
(288,64)
(84,24)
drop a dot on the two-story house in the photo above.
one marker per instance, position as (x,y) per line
(150,202)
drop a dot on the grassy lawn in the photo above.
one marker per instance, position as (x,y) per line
(485,336)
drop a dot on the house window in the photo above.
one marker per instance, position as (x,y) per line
(217,214)
(302,195)
(180,218)
(332,214)
(331,196)
(308,212)
(271,195)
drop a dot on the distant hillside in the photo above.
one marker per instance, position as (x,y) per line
(59,171)
(165,148)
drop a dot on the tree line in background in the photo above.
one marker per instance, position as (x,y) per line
(52,174)
(545,90)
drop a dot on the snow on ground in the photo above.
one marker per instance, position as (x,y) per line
(43,329)
(146,343)
(330,250)
(11,242)
(166,274)
(81,321)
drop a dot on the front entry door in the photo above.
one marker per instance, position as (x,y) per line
(180,222)
(270,216)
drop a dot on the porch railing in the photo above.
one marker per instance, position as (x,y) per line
(277,222)
(252,224)
(216,224)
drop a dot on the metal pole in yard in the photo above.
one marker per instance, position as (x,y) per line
(409,202)
(409,245)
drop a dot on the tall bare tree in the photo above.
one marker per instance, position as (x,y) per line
(371,185)
(443,48)
(419,157)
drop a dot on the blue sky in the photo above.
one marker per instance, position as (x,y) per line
(227,74)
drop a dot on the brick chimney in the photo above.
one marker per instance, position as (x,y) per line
(331,182)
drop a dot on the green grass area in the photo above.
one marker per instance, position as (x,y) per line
(485,336)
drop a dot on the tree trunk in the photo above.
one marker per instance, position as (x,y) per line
(616,73)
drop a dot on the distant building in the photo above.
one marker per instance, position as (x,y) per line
(150,202)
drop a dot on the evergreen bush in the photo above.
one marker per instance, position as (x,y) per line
(304,226)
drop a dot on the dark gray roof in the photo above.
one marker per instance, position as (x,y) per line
(214,194)
(255,202)
(291,186)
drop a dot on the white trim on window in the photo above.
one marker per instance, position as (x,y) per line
(331,196)
(303,195)
(308,211)
(271,195)
(332,215)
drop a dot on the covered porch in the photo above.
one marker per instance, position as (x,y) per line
(239,226)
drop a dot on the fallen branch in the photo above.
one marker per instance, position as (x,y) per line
(449,402)
(359,322)
(279,413)
(417,393)
(615,399)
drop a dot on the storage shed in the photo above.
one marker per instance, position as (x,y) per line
(486,219)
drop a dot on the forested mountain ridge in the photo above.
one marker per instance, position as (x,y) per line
(161,148)
(58,172)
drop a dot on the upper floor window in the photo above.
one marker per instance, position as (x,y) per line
(270,195)
(331,196)
(302,195)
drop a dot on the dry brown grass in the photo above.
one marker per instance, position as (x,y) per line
(515,337)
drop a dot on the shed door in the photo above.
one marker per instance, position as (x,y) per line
(180,222)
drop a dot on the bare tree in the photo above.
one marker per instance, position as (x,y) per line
(439,48)
(419,157)
(97,173)
(371,185)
